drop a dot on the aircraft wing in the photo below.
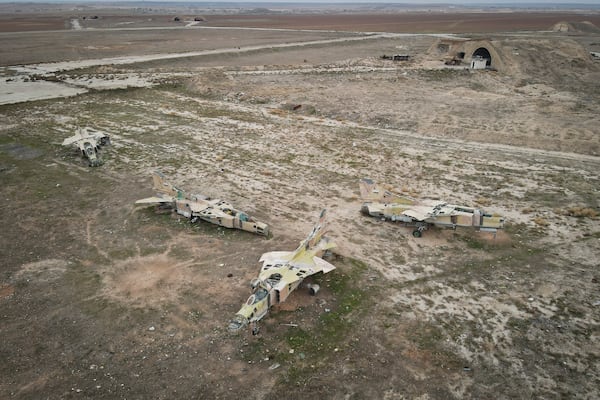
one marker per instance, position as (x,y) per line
(302,266)
(417,215)
(315,265)
(199,206)
(303,261)
(155,200)
(70,140)
(275,258)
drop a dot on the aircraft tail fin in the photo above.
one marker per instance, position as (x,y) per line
(371,191)
(161,186)
(315,242)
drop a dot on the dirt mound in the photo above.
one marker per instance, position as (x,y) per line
(557,62)
(576,27)
(513,55)
(147,280)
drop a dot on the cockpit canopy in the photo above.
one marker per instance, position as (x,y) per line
(257,296)
(237,323)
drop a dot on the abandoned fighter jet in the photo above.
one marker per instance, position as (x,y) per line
(387,205)
(89,142)
(198,207)
(281,273)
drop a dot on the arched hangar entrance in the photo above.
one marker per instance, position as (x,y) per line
(483,53)
(479,53)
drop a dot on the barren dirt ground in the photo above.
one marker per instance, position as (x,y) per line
(100,299)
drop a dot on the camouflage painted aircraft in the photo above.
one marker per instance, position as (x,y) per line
(281,273)
(198,207)
(384,204)
(89,142)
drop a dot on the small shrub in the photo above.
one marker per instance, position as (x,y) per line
(541,221)
(483,201)
(581,212)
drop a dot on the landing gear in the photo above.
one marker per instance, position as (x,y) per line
(418,232)
(254,328)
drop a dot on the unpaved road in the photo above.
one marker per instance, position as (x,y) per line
(38,81)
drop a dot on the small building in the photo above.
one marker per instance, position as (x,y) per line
(401,57)
(470,52)
(479,62)
(396,57)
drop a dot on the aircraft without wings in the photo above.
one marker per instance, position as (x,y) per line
(384,204)
(89,142)
(198,207)
(282,272)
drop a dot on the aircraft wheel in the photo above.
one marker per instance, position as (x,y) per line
(417,233)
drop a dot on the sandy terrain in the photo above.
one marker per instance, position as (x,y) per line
(101,299)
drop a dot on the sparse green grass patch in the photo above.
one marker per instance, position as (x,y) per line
(317,346)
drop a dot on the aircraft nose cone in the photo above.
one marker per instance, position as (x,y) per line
(237,323)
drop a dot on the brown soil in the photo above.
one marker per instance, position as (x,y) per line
(101,299)
(408,22)
(400,22)
(32,23)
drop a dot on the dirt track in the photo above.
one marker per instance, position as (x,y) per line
(103,300)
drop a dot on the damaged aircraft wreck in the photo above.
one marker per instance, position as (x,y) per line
(386,205)
(197,207)
(282,272)
(89,142)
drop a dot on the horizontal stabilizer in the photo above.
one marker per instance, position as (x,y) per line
(322,265)
(326,244)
